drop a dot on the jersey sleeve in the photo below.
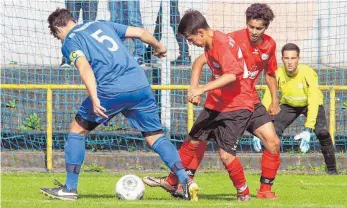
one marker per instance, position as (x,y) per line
(272,64)
(72,51)
(313,98)
(120,29)
(230,60)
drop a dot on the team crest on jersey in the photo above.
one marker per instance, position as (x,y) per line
(215,64)
(231,42)
(72,35)
(264,56)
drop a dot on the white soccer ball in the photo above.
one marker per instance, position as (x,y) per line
(130,187)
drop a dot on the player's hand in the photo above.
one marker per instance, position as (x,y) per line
(160,52)
(305,137)
(98,109)
(256,144)
(274,108)
(193,92)
(195,100)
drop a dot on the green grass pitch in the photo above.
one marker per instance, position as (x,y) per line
(216,190)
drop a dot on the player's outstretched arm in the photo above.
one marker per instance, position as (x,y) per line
(195,77)
(89,80)
(271,82)
(147,37)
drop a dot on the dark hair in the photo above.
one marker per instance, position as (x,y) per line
(291,47)
(59,18)
(191,22)
(260,11)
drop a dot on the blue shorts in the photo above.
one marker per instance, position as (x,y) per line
(139,106)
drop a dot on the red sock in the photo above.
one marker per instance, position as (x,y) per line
(186,152)
(270,163)
(237,175)
(199,155)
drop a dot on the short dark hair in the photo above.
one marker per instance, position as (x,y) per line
(291,47)
(260,11)
(59,18)
(191,22)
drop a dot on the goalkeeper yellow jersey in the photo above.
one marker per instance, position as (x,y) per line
(298,91)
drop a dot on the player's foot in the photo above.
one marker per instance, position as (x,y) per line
(178,193)
(60,192)
(183,60)
(190,190)
(266,195)
(333,172)
(243,197)
(243,193)
(159,182)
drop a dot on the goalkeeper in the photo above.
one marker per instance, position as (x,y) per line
(301,95)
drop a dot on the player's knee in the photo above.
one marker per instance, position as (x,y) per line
(226,157)
(82,126)
(273,144)
(193,141)
(324,137)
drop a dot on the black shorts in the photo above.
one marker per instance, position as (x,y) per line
(289,113)
(226,128)
(260,117)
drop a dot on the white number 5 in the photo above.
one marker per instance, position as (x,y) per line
(105,37)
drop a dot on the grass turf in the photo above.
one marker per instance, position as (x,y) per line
(216,190)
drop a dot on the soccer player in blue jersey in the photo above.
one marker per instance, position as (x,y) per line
(115,84)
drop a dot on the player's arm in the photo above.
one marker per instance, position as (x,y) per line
(195,77)
(272,87)
(147,37)
(89,80)
(266,100)
(313,99)
(270,78)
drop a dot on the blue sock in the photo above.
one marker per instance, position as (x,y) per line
(74,156)
(171,158)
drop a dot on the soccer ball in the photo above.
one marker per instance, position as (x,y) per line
(130,187)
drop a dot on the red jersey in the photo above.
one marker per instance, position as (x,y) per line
(225,57)
(257,58)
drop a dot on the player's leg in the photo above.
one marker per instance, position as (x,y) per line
(227,135)
(116,10)
(84,122)
(90,9)
(192,150)
(325,141)
(183,58)
(134,19)
(145,117)
(261,125)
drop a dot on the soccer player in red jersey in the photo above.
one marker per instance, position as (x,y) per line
(229,105)
(258,51)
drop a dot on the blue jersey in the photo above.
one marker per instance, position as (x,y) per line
(101,42)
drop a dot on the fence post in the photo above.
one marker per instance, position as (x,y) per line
(49,138)
(332,124)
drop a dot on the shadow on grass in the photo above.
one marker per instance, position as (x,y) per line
(221,197)
(95,196)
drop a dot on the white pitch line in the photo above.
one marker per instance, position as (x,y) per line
(188,204)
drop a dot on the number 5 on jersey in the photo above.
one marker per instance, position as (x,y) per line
(102,38)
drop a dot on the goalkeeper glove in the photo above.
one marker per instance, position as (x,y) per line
(256,144)
(305,137)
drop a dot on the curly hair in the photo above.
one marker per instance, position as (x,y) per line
(260,11)
(59,18)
